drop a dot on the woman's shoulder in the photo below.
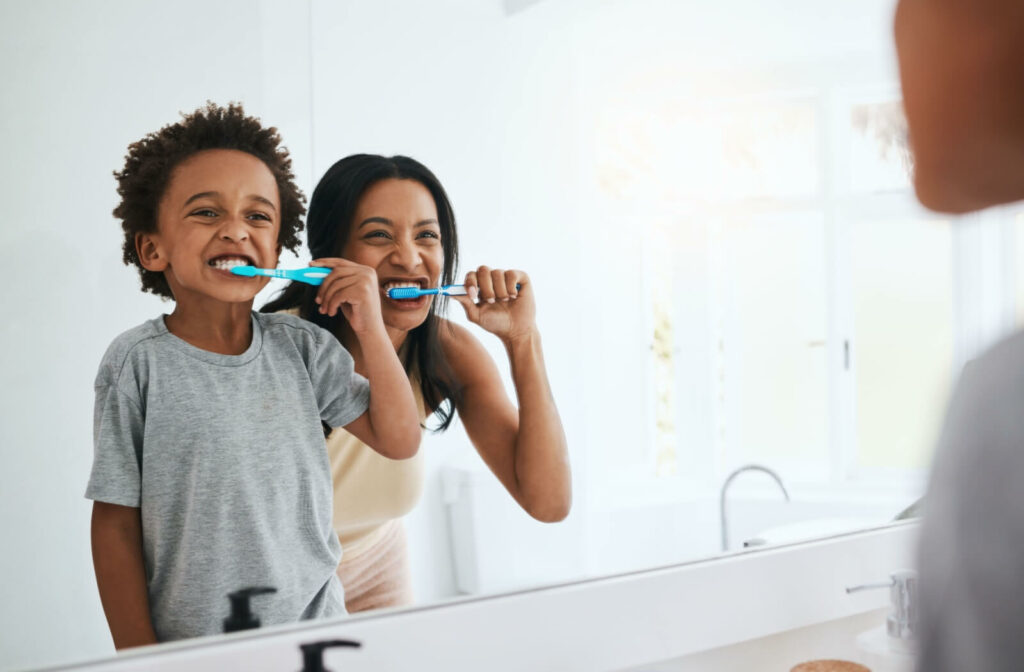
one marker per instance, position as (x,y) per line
(454,337)
(464,351)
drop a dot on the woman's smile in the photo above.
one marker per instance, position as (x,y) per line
(396,233)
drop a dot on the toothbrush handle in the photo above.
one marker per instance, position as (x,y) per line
(314,275)
(460,290)
(282,273)
(452,290)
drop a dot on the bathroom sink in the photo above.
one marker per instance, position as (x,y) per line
(809,529)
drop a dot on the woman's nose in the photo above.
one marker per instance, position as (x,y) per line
(406,255)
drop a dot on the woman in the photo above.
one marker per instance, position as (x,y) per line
(961,63)
(392,215)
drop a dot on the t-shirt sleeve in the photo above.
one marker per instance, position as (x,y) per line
(342,394)
(971,537)
(117,444)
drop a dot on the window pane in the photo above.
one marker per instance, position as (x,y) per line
(773,377)
(700,152)
(902,282)
(1018,266)
(879,153)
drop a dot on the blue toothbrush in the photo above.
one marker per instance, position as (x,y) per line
(314,275)
(416,292)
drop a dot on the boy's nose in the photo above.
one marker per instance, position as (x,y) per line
(234,229)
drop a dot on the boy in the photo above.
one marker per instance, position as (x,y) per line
(210,470)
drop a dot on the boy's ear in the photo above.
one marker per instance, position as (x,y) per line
(151,254)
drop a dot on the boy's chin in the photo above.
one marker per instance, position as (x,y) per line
(205,290)
(236,297)
(227,296)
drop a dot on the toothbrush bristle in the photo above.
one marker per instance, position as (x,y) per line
(404,292)
(248,271)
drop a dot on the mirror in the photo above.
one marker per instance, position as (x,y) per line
(711,198)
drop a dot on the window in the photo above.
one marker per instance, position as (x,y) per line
(773,371)
(801,309)
(901,288)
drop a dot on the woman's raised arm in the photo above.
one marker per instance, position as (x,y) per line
(524,447)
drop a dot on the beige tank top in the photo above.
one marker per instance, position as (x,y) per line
(369,489)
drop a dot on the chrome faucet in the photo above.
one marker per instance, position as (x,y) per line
(725,488)
(901,622)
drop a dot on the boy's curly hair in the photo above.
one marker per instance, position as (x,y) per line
(150,162)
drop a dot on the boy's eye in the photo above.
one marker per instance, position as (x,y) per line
(260,217)
(203,212)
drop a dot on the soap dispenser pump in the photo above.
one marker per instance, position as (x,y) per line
(313,653)
(241,617)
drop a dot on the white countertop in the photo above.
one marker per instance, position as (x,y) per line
(610,623)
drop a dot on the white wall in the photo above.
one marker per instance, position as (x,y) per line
(80,81)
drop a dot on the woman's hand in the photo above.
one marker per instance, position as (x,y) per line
(352,288)
(494,303)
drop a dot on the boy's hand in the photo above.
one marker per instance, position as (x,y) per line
(354,289)
(494,303)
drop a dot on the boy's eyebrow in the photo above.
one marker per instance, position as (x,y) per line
(388,222)
(255,197)
(202,194)
(265,201)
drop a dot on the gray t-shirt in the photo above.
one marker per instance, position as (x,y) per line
(225,456)
(972,538)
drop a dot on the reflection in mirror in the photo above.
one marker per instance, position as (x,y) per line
(711,200)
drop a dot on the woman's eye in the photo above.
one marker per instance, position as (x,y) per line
(430,234)
(377,234)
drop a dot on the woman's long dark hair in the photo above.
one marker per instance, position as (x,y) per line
(328,223)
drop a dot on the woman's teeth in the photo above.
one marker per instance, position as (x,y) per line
(394,285)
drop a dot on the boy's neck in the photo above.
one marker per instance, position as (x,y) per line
(223,328)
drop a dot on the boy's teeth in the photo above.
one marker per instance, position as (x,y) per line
(227,263)
(395,285)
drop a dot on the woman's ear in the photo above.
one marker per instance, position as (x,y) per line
(151,254)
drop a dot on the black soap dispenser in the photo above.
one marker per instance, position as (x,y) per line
(313,653)
(241,617)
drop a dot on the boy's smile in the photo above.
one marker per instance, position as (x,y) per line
(220,209)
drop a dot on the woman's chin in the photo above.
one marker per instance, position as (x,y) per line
(405,319)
